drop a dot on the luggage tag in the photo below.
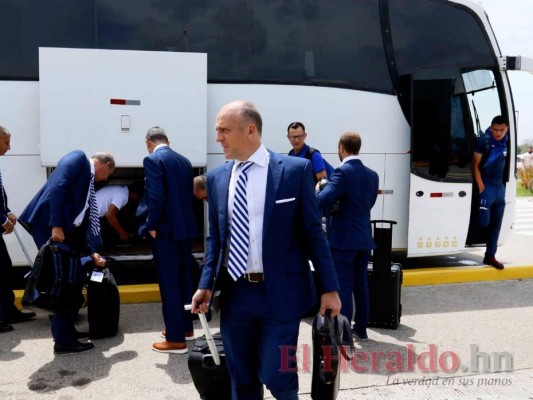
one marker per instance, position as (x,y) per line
(97,276)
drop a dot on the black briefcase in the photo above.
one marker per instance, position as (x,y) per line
(207,365)
(327,336)
(385,296)
(103,304)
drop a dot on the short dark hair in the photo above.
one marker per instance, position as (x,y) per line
(295,125)
(157,134)
(499,120)
(351,141)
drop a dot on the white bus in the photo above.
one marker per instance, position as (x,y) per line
(418,79)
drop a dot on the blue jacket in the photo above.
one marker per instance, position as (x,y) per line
(292,234)
(168,196)
(60,200)
(356,188)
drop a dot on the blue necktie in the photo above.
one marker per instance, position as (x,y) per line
(240,230)
(94,221)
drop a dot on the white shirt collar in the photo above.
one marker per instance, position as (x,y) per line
(91,163)
(346,159)
(160,145)
(260,157)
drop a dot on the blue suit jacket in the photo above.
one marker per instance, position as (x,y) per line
(60,200)
(356,187)
(292,234)
(168,194)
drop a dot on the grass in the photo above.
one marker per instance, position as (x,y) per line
(525,175)
(522,191)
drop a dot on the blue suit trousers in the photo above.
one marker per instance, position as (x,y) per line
(173,261)
(352,272)
(257,345)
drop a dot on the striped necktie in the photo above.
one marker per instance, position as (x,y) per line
(240,230)
(94,221)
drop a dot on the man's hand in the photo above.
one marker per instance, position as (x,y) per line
(98,260)
(200,301)
(153,233)
(57,234)
(12,218)
(8,227)
(332,301)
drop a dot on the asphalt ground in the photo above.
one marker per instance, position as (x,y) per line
(465,333)
(470,340)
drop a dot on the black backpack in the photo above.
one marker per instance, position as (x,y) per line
(329,167)
(55,278)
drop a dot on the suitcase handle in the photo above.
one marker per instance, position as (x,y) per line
(208,336)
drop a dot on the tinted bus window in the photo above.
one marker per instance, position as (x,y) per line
(27,25)
(426,33)
(295,42)
(333,43)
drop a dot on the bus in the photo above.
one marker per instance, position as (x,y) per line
(418,79)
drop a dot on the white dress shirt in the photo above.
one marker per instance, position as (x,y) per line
(255,196)
(346,159)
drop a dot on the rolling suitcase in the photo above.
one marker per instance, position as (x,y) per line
(207,365)
(384,281)
(103,304)
(385,297)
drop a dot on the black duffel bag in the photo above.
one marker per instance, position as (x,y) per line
(55,279)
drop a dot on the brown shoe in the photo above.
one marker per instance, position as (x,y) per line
(188,335)
(493,262)
(170,347)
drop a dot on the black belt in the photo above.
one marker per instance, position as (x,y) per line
(254,277)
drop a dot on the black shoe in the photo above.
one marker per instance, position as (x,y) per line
(362,336)
(19,316)
(82,335)
(72,348)
(493,262)
(5,328)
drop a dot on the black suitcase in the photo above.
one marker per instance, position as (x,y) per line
(385,297)
(384,280)
(103,304)
(207,365)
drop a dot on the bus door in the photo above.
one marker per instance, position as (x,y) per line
(441,153)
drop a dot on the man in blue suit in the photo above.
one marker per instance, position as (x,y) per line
(350,195)
(170,222)
(8,310)
(60,211)
(261,306)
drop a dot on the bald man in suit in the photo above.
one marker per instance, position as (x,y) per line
(264,294)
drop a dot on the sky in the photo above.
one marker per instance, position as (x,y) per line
(512,22)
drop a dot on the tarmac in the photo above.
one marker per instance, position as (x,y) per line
(465,333)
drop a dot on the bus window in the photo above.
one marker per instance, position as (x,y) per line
(483,99)
(442,132)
